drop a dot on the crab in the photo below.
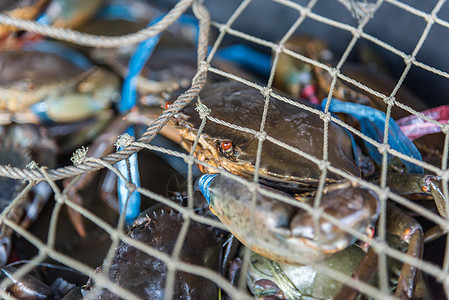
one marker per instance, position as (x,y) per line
(22,143)
(159,227)
(311,82)
(234,149)
(40,87)
(65,94)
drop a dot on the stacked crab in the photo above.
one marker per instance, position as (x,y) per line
(309,205)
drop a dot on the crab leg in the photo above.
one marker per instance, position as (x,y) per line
(406,229)
(410,231)
(42,192)
(364,272)
(108,191)
(103,145)
(433,234)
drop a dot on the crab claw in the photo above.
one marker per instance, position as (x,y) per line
(355,207)
(419,183)
(42,192)
(284,232)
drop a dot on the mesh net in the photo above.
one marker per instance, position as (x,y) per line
(365,12)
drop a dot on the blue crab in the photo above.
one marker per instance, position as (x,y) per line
(235,150)
(159,227)
(37,86)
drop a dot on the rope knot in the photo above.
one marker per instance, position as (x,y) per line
(189,159)
(252,187)
(389,101)
(383,194)
(123,141)
(202,69)
(203,66)
(266,91)
(383,148)
(334,72)
(131,187)
(59,198)
(409,59)
(261,136)
(445,175)
(32,165)
(305,11)
(356,32)
(326,117)
(277,49)
(323,165)
(203,110)
(379,247)
(429,19)
(79,155)
(317,212)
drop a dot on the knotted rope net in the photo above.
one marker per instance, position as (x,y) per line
(364,12)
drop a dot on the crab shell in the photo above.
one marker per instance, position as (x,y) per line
(145,275)
(243,106)
(62,91)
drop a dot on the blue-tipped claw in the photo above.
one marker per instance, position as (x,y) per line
(204,184)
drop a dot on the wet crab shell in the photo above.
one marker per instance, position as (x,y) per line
(145,275)
(38,85)
(243,106)
(35,68)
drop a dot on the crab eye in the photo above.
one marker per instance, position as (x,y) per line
(167,105)
(226,147)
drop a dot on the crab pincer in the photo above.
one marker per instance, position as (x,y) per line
(284,232)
